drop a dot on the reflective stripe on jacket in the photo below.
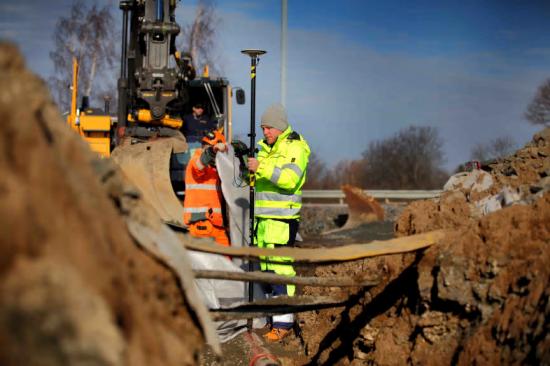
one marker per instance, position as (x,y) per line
(203,197)
(280,176)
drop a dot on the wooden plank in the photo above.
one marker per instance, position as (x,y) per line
(322,254)
(376,193)
(284,280)
(277,305)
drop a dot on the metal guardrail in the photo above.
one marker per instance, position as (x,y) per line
(336,194)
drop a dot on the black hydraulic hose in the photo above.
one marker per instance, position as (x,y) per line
(160,10)
(123,81)
(124,47)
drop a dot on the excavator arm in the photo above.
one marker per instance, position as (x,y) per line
(154,77)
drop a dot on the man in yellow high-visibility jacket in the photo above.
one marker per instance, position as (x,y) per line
(280,173)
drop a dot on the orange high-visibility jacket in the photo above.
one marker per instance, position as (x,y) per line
(203,196)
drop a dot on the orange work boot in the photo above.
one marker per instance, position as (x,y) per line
(276,334)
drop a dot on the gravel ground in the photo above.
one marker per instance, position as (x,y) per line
(319,219)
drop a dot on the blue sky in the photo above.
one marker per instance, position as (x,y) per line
(359,71)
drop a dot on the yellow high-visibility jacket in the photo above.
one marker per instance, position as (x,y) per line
(280,176)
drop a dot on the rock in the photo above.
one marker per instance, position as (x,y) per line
(476,181)
(542,137)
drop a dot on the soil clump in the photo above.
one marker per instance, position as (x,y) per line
(74,286)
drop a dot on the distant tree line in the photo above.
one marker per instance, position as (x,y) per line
(494,149)
(410,159)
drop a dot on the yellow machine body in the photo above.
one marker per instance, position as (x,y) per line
(144,115)
(95,129)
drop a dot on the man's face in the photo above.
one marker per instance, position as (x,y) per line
(271,134)
(198,111)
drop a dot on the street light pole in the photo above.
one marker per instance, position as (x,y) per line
(284,27)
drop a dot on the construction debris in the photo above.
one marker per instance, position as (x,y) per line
(478,297)
(90,274)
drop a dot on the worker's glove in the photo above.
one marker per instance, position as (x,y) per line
(220,146)
(208,156)
(240,148)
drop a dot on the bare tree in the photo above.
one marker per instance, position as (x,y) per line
(538,111)
(411,159)
(86,33)
(344,172)
(494,149)
(353,173)
(316,173)
(199,37)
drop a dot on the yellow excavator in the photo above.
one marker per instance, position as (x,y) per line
(94,126)
(157,87)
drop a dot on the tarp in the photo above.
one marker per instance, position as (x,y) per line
(220,294)
(236,193)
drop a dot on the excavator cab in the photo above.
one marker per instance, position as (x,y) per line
(157,166)
(218,94)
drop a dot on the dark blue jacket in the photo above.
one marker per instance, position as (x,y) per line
(194,128)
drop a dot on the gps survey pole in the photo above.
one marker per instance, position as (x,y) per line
(254,58)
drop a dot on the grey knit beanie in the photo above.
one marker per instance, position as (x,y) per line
(275,116)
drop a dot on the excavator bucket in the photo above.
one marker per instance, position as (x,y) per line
(362,208)
(147,166)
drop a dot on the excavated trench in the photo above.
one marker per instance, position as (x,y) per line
(75,287)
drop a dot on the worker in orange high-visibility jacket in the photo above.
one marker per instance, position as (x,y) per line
(202,207)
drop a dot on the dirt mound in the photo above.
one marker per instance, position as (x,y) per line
(480,296)
(526,167)
(74,287)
